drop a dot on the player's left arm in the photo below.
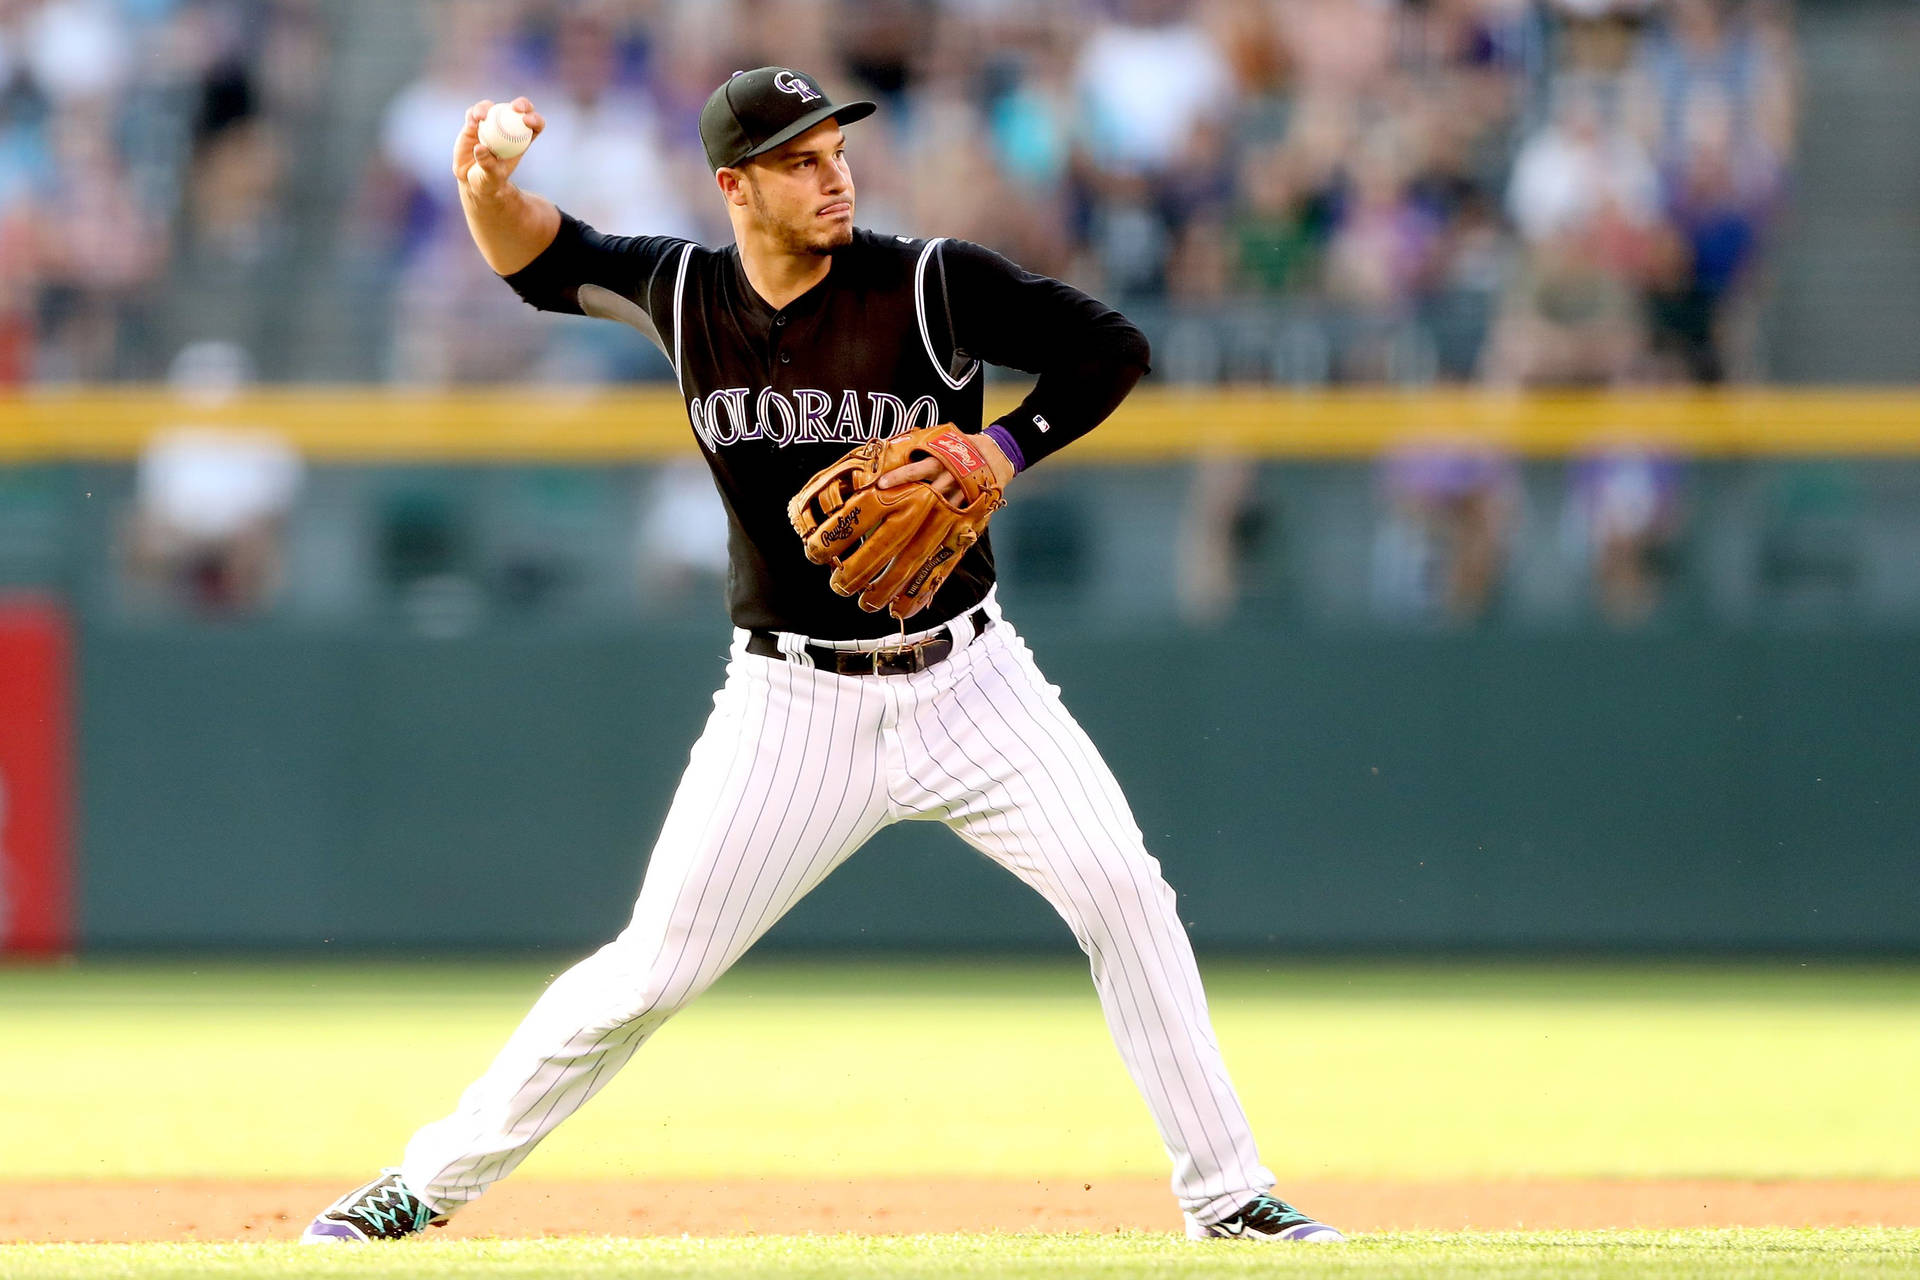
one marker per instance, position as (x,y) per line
(981,306)
(1087,355)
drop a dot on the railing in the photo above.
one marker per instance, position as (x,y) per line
(521,424)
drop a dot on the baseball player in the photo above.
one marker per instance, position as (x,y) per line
(832,378)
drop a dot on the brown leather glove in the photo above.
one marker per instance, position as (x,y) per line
(894,547)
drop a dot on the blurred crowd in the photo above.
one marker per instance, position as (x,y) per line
(144,145)
(1566,192)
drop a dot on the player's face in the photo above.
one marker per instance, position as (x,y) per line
(802,193)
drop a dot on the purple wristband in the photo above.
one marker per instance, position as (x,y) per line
(1004,438)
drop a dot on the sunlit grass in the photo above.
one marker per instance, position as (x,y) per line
(322,1071)
(1837,1254)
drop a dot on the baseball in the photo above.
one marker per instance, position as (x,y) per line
(504,132)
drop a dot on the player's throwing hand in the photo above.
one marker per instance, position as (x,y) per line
(482,172)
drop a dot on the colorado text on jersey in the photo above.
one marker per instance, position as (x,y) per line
(805,416)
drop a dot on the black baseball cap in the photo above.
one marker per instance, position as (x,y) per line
(756,111)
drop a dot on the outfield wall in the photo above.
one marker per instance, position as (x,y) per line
(1458,792)
(1738,773)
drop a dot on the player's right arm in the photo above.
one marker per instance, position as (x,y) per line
(554,261)
(511,227)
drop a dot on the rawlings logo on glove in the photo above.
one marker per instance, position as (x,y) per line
(893,548)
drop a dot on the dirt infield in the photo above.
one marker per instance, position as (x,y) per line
(48,1212)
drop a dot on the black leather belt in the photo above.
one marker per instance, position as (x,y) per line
(888,660)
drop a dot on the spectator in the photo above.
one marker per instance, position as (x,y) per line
(1627,513)
(1724,99)
(97,250)
(1718,194)
(1581,175)
(1147,81)
(211,503)
(1225,530)
(1279,227)
(1380,252)
(680,539)
(18,287)
(1153,89)
(77,51)
(1586,201)
(1442,544)
(232,209)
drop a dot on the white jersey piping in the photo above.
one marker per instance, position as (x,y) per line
(920,309)
(679,291)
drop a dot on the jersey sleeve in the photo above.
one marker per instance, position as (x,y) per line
(631,279)
(1087,355)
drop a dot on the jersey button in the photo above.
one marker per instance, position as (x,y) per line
(786,358)
(779,320)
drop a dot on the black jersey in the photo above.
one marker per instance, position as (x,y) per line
(892,339)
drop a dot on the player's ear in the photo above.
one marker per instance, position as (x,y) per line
(733,186)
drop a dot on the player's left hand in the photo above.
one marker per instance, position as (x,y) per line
(944,482)
(894,517)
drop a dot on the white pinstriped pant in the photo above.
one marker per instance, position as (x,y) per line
(796,769)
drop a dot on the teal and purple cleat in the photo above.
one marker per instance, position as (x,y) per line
(1266,1219)
(383,1209)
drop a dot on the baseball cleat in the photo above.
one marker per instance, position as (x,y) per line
(381,1210)
(1266,1219)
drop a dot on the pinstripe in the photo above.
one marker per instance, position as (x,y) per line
(990,811)
(1176,952)
(1168,942)
(646,1022)
(814,858)
(801,846)
(849,845)
(495,1166)
(819,868)
(744,744)
(615,1058)
(1158,1014)
(988,783)
(567,1077)
(1126,1017)
(1145,894)
(996,756)
(946,799)
(799,764)
(1134,1027)
(1108,788)
(1042,877)
(757,740)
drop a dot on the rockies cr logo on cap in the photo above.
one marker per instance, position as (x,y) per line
(787,82)
(756,111)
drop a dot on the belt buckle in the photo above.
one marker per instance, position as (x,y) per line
(900,659)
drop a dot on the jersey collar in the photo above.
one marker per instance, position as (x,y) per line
(761,310)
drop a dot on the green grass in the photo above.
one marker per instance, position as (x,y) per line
(1557,1255)
(322,1071)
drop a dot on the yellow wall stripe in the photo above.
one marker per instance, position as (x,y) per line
(562,425)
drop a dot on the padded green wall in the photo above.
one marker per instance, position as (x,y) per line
(266,787)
